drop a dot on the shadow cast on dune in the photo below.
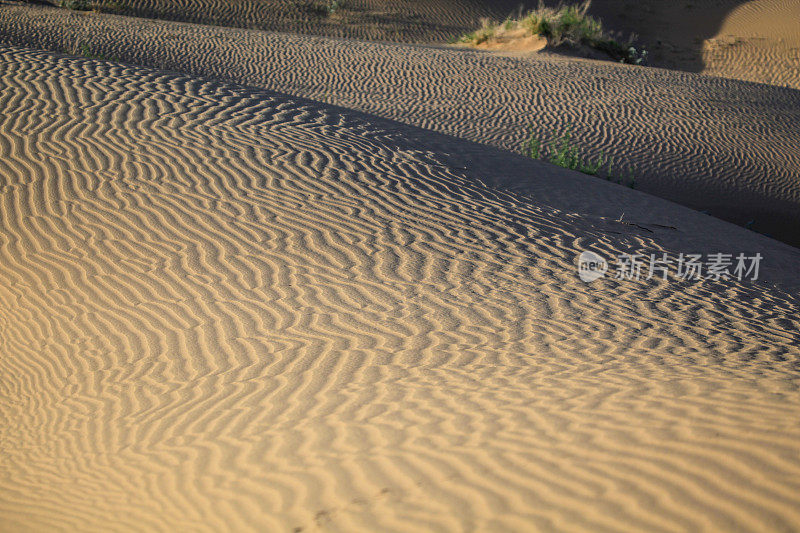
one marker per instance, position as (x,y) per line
(718,145)
(673,32)
(410,21)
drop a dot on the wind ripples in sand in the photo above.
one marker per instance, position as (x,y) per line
(225,309)
(720,146)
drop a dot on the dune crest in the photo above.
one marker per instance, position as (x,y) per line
(759,41)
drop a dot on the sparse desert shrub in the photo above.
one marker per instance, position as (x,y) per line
(560,151)
(566,24)
(327,7)
(81,48)
(562,25)
(623,52)
(99,6)
(109,6)
(482,34)
(76,5)
(335,5)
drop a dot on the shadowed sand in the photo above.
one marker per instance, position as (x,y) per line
(756,40)
(721,146)
(225,309)
(430,21)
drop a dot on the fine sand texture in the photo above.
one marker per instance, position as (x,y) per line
(753,40)
(416,21)
(721,146)
(757,40)
(227,309)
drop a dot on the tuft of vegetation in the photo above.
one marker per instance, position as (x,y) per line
(327,7)
(109,6)
(101,6)
(80,48)
(560,151)
(76,5)
(569,25)
(487,31)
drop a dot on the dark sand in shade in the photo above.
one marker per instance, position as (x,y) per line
(747,40)
(721,146)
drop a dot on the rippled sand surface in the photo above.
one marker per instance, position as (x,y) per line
(228,309)
(725,147)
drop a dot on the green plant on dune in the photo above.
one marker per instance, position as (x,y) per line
(562,152)
(569,25)
(564,24)
(109,6)
(100,6)
(76,5)
(335,5)
(327,7)
(482,34)
(80,48)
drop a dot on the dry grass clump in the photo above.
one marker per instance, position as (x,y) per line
(561,25)
(100,6)
(76,5)
(327,7)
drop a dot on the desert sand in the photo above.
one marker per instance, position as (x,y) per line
(280,282)
(412,21)
(721,146)
(752,40)
(225,309)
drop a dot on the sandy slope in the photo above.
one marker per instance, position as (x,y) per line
(753,40)
(721,146)
(224,309)
(428,21)
(759,42)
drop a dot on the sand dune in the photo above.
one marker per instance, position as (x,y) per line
(758,42)
(419,21)
(226,309)
(716,145)
(752,40)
